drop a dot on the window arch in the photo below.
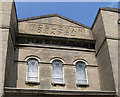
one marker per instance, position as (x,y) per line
(32,70)
(81,72)
(57,67)
(32,57)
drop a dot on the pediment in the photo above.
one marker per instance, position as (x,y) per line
(54,25)
(53,19)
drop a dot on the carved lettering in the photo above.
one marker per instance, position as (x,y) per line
(32,26)
(39,28)
(81,29)
(46,29)
(66,31)
(55,29)
(60,30)
(73,32)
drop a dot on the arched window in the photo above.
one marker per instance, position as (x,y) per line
(32,70)
(81,72)
(57,66)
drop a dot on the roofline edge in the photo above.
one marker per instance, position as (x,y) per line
(53,15)
(105,9)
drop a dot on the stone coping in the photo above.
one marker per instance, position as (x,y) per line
(53,15)
(110,9)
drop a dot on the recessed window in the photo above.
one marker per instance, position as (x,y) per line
(57,75)
(32,70)
(81,73)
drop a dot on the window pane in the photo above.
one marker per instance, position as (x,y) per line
(32,79)
(81,73)
(82,81)
(32,70)
(57,71)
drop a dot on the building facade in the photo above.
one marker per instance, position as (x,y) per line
(55,56)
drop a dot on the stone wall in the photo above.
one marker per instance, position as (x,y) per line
(8,28)
(3,50)
(45,67)
(110,20)
(54,26)
(107,49)
(102,65)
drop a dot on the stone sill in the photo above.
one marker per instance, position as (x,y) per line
(82,85)
(32,83)
(58,84)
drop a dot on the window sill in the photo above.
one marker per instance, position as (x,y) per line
(32,83)
(58,84)
(82,85)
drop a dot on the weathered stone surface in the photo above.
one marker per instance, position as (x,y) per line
(10,68)
(98,32)
(110,22)
(105,68)
(54,26)
(102,65)
(107,48)
(113,51)
(8,27)
(5,10)
(3,52)
(45,70)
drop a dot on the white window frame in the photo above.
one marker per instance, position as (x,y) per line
(27,71)
(75,63)
(59,59)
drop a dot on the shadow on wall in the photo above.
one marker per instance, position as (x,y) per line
(11,66)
